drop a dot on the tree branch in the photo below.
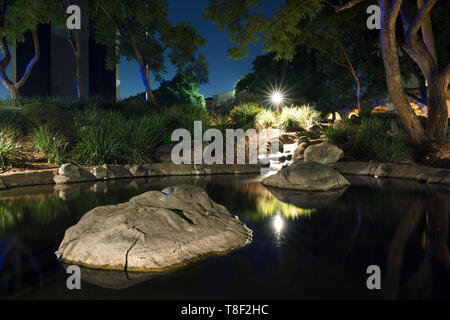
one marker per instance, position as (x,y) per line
(33,61)
(122,34)
(420,17)
(346,6)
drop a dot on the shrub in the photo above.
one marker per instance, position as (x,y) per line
(97,145)
(341,134)
(137,138)
(58,120)
(9,147)
(370,142)
(53,145)
(13,118)
(389,149)
(266,119)
(298,118)
(244,116)
(182,118)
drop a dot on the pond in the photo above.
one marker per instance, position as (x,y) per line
(305,246)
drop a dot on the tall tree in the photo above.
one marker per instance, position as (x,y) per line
(58,11)
(422,50)
(140,30)
(246,24)
(17,17)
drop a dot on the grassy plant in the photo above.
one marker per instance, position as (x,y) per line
(137,138)
(371,141)
(58,120)
(13,118)
(53,145)
(97,145)
(9,147)
(298,118)
(341,134)
(244,116)
(266,119)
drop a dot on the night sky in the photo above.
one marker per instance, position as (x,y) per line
(223,72)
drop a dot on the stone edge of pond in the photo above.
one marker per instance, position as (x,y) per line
(115,172)
(418,173)
(421,174)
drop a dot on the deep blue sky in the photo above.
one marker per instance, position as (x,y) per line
(223,72)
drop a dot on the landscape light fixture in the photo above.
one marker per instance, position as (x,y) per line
(277,99)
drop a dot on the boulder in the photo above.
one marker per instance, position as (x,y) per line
(307,176)
(299,152)
(69,170)
(383,171)
(139,171)
(99,172)
(437,177)
(323,153)
(153,232)
(423,177)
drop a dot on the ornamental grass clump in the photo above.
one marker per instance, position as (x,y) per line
(296,118)
(9,147)
(53,145)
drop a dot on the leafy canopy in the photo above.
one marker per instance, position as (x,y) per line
(180,91)
(121,23)
(21,16)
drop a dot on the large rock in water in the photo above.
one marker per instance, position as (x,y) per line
(323,153)
(307,176)
(153,232)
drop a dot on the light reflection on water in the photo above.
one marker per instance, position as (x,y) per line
(305,245)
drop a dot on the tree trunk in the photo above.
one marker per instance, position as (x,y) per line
(437,109)
(145,73)
(80,90)
(389,51)
(422,51)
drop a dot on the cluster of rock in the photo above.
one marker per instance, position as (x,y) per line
(421,174)
(153,232)
(304,164)
(305,146)
(70,173)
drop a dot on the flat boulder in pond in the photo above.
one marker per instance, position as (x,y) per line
(307,176)
(153,232)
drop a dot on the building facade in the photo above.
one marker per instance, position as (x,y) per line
(55,72)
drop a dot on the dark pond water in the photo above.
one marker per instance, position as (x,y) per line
(305,246)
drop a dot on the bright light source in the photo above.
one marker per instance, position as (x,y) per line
(277,98)
(278,223)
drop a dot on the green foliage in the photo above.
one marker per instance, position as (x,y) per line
(244,116)
(9,147)
(266,119)
(97,145)
(53,144)
(182,118)
(13,118)
(58,120)
(141,31)
(179,92)
(137,138)
(312,50)
(296,118)
(20,17)
(110,137)
(341,134)
(371,141)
